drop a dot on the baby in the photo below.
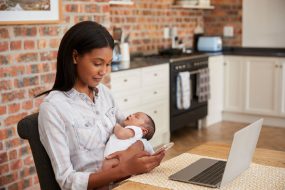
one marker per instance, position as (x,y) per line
(137,126)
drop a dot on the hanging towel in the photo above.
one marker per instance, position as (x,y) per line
(183,90)
(203,85)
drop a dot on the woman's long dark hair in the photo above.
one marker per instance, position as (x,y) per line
(82,37)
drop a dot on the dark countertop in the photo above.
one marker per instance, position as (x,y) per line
(138,62)
(150,60)
(264,52)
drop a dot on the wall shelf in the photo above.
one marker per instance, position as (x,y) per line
(194,6)
(121,2)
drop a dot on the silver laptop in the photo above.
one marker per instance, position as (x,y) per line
(217,173)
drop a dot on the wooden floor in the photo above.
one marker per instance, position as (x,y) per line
(186,138)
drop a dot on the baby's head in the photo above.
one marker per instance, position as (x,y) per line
(142,120)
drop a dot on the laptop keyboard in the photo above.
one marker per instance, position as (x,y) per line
(211,175)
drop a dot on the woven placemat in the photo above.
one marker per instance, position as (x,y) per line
(255,178)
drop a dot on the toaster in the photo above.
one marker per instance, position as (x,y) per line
(209,43)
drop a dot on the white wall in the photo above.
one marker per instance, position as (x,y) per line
(263,23)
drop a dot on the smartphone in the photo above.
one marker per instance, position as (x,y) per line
(164,148)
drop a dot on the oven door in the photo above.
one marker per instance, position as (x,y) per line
(198,110)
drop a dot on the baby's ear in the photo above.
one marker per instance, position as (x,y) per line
(145,131)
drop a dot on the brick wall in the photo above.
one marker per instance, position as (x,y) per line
(146,19)
(28,57)
(27,67)
(226,13)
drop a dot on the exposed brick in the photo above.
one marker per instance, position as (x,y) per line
(3,157)
(26,81)
(27,105)
(31,69)
(72,8)
(29,160)
(24,151)
(6,179)
(15,45)
(4,168)
(25,31)
(6,85)
(16,186)
(14,119)
(12,71)
(49,30)
(13,143)
(4,34)
(12,154)
(4,46)
(48,56)
(26,57)
(3,110)
(4,59)
(14,107)
(54,43)
(12,96)
(26,171)
(6,133)
(42,43)
(16,164)
(47,78)
(29,44)
(36,179)
(35,91)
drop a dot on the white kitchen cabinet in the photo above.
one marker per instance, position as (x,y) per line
(147,90)
(261,87)
(254,88)
(234,83)
(282,87)
(216,101)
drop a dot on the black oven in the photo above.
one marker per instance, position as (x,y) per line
(198,109)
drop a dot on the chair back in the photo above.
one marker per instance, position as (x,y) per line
(28,129)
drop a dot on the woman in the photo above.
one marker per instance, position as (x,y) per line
(78,115)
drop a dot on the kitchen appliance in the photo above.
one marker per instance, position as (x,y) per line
(198,110)
(210,43)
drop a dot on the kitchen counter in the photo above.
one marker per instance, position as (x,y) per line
(265,52)
(145,61)
(138,62)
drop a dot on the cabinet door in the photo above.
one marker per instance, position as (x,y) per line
(261,85)
(215,103)
(282,87)
(234,83)
(159,112)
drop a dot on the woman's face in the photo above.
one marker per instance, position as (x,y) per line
(92,66)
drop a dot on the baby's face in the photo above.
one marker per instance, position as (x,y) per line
(137,119)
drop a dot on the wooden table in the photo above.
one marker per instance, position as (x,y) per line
(218,150)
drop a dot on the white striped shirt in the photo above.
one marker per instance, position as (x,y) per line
(74,131)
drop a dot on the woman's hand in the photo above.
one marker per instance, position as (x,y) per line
(135,161)
(141,163)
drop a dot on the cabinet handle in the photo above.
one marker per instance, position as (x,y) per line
(125,80)
(125,100)
(281,66)
(276,66)
(225,63)
(155,92)
(155,111)
(155,74)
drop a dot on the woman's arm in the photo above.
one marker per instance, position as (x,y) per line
(123,133)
